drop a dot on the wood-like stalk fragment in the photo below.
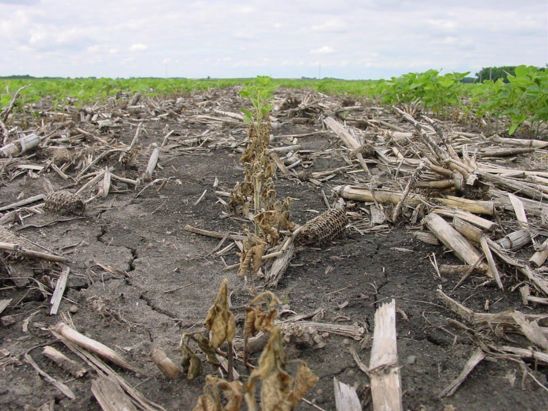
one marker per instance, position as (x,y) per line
(384,370)
(474,360)
(410,184)
(531,330)
(476,220)
(31,253)
(391,197)
(515,240)
(439,184)
(541,255)
(67,364)
(4,304)
(346,398)
(348,140)
(527,353)
(20,146)
(24,202)
(279,266)
(470,231)
(164,363)
(452,239)
(59,290)
(515,186)
(492,267)
(152,162)
(6,111)
(519,209)
(92,345)
(214,234)
(57,384)
(110,396)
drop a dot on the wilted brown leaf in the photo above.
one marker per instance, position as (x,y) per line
(220,321)
(261,313)
(279,391)
(205,403)
(275,391)
(305,379)
(208,350)
(252,255)
(190,362)
(212,399)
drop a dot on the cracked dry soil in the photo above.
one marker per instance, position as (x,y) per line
(138,279)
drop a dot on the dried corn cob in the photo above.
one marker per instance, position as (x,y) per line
(64,202)
(129,158)
(323,228)
(61,155)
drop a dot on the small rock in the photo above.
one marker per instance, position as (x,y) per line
(346,342)
(412,359)
(73,309)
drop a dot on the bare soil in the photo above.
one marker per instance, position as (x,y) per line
(161,280)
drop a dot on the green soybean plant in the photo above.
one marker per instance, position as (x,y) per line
(524,98)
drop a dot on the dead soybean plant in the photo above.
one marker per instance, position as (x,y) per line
(279,391)
(221,327)
(255,198)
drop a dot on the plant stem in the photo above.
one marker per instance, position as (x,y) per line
(230,358)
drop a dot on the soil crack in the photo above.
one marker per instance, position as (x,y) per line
(154,307)
(99,236)
(131,262)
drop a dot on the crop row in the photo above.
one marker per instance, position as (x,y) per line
(523,98)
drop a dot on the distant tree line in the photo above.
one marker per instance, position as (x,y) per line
(494,73)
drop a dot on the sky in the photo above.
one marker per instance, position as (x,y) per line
(229,38)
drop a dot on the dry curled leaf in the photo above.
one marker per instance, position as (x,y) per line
(207,349)
(279,391)
(275,219)
(217,391)
(190,361)
(220,321)
(261,313)
(205,403)
(275,392)
(252,255)
(305,379)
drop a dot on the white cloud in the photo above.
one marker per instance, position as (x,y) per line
(323,50)
(331,25)
(370,38)
(138,47)
(443,24)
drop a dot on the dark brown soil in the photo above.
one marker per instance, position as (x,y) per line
(166,281)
